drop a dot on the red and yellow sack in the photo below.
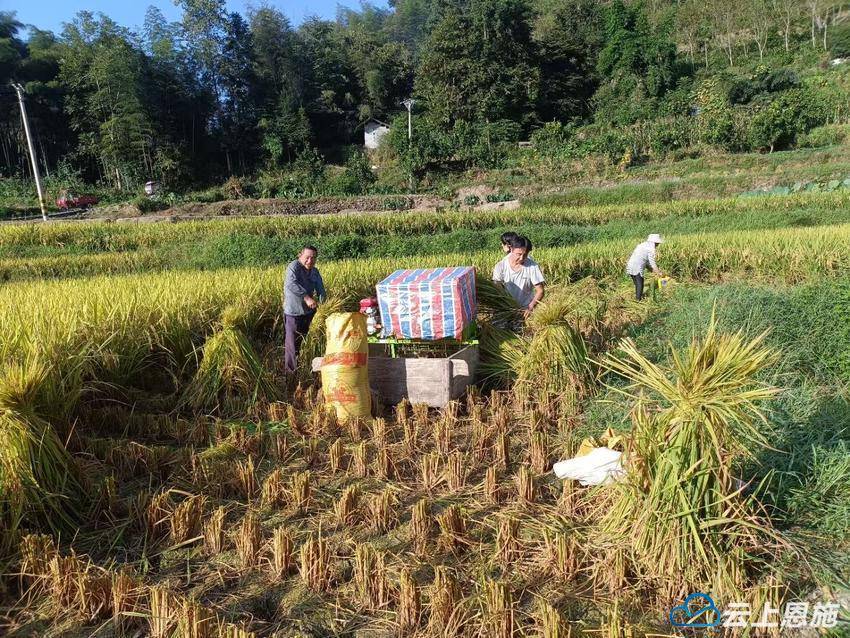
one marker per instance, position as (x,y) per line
(345,375)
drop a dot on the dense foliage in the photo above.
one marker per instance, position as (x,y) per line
(219,94)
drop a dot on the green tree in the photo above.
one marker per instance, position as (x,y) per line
(238,117)
(281,69)
(569,37)
(638,63)
(479,64)
(102,71)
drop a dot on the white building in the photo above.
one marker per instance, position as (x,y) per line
(373,131)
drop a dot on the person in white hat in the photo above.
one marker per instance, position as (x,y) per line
(642,256)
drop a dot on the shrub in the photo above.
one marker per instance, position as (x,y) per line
(770,127)
(355,179)
(602,139)
(396,203)
(670,134)
(827,135)
(715,120)
(471,200)
(553,140)
(149,204)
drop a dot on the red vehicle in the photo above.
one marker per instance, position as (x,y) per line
(68,200)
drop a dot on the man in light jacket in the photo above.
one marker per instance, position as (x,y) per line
(642,256)
(303,289)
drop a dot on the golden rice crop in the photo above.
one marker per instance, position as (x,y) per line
(680,508)
(124,238)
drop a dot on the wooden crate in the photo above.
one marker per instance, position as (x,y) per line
(434,381)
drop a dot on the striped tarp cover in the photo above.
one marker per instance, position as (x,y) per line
(428,303)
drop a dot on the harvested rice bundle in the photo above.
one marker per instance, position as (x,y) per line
(231,374)
(681,512)
(39,478)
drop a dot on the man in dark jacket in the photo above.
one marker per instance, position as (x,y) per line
(303,289)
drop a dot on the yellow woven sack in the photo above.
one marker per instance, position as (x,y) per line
(346,333)
(345,375)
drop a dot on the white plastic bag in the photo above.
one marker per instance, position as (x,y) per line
(600,466)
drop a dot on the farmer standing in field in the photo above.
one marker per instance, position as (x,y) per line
(642,256)
(520,275)
(303,289)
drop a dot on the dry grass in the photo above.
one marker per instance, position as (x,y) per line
(447,613)
(453,524)
(492,490)
(186,519)
(456,470)
(384,467)
(299,492)
(502,450)
(359,573)
(282,560)
(409,603)
(246,479)
(421,525)
(507,541)
(525,485)
(345,508)
(164,611)
(249,540)
(214,532)
(315,563)
(429,471)
(274,493)
(539,452)
(382,511)
(196,621)
(336,456)
(550,622)
(562,555)
(370,577)
(498,610)
(36,552)
(127,594)
(360,460)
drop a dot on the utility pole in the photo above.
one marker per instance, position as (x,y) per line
(20,91)
(408,103)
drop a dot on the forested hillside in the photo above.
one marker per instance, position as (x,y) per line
(220,94)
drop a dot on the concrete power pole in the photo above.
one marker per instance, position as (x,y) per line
(408,103)
(20,91)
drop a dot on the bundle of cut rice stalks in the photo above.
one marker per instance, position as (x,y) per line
(681,512)
(231,375)
(40,483)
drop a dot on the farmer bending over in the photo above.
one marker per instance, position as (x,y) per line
(642,256)
(520,275)
(303,288)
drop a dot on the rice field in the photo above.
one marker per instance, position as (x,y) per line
(160,477)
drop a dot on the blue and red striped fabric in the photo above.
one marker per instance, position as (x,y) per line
(428,303)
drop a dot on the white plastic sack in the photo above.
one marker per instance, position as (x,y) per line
(600,466)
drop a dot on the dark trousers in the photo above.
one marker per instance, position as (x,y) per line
(295,327)
(638,279)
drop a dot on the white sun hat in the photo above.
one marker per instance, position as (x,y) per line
(655,238)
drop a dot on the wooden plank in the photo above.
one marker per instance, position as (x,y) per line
(434,381)
(419,380)
(464,369)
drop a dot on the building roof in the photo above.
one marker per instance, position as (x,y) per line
(377,121)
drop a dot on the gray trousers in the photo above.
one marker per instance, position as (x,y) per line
(295,328)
